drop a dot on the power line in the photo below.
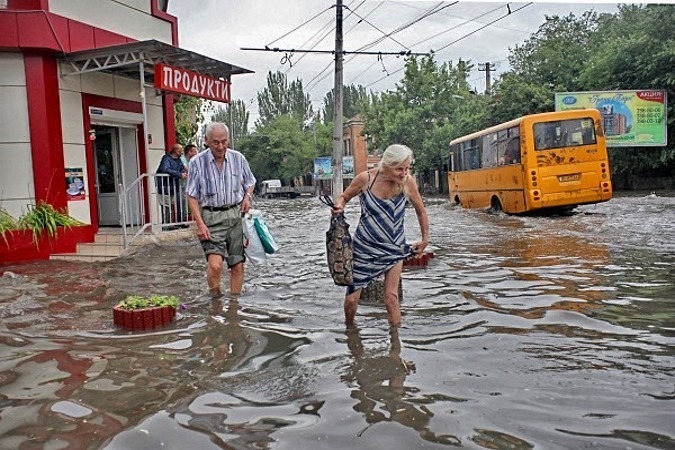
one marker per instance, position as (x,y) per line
(461,38)
(298,27)
(485,26)
(431,37)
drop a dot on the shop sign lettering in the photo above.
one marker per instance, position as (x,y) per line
(174,79)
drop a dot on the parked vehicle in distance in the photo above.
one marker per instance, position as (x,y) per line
(555,160)
(273,188)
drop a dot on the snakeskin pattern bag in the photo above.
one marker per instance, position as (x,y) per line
(339,248)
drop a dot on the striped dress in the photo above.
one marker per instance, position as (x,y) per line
(379,241)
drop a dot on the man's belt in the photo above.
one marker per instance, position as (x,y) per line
(221,208)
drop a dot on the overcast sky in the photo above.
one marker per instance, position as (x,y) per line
(220,28)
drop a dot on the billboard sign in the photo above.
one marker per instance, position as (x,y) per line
(323,167)
(635,118)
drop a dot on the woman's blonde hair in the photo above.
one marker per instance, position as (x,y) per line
(395,155)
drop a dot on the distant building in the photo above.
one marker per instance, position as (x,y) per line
(356,145)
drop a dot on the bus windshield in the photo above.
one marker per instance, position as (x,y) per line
(564,133)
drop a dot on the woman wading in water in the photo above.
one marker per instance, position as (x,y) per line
(379,241)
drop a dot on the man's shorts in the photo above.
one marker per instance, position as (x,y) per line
(227,235)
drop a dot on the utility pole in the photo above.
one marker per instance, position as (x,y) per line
(337,107)
(338,151)
(487,68)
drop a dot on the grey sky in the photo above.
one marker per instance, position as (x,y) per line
(220,28)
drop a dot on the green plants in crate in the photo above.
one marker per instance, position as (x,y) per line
(43,217)
(145,313)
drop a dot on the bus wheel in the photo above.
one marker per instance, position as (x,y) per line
(495,205)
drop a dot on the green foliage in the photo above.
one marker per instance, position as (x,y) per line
(138,302)
(283,149)
(354,99)
(236,117)
(7,224)
(430,106)
(188,115)
(45,218)
(557,52)
(550,61)
(283,98)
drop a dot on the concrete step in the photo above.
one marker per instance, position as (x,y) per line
(108,238)
(77,257)
(93,248)
(108,244)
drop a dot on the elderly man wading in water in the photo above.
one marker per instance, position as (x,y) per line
(220,187)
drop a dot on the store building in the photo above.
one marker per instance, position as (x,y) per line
(87,90)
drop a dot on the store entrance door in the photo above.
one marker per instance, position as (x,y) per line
(108,175)
(116,159)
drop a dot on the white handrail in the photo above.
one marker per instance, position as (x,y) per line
(170,211)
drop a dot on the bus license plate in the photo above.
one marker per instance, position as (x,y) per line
(564,178)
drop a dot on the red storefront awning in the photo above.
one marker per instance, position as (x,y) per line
(124,60)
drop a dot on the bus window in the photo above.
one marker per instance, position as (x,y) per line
(564,133)
(512,154)
(488,153)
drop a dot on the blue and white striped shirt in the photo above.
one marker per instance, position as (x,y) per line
(216,187)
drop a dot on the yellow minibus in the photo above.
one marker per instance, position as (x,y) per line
(554,160)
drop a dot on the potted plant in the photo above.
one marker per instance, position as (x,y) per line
(7,224)
(145,313)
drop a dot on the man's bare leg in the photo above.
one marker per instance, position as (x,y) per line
(237,278)
(214,272)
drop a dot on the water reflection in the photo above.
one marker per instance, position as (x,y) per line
(378,377)
(544,332)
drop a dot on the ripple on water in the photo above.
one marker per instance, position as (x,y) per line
(544,332)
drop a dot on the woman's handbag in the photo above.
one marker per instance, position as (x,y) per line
(339,247)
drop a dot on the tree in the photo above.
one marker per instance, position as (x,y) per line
(634,50)
(429,107)
(282,98)
(283,149)
(550,61)
(236,117)
(188,116)
(353,98)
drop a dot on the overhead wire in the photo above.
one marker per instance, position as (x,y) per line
(510,12)
(254,98)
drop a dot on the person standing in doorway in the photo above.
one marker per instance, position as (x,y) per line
(189,152)
(219,189)
(168,187)
(379,241)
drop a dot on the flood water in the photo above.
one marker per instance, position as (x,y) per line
(523,332)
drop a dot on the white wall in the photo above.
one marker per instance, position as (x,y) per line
(74,150)
(107,85)
(16,183)
(130,18)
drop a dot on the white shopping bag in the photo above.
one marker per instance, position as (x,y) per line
(253,247)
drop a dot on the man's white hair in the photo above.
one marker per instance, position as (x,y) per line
(211,126)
